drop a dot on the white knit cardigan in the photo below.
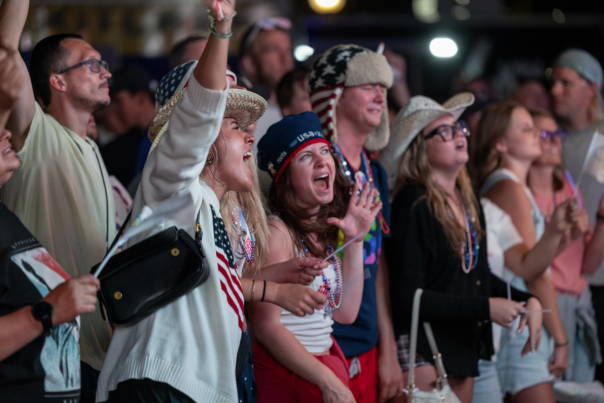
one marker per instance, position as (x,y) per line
(191,344)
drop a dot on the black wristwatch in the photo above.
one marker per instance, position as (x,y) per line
(42,311)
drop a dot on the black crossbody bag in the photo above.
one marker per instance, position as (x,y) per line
(138,281)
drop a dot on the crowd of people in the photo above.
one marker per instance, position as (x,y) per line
(321,199)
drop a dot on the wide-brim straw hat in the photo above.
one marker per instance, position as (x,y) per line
(410,121)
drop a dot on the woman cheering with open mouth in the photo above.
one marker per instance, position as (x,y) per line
(296,359)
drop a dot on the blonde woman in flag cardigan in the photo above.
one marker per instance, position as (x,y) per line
(187,351)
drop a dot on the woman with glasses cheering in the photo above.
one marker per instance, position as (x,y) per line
(438,244)
(581,254)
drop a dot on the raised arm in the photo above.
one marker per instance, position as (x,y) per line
(194,123)
(532,263)
(13,14)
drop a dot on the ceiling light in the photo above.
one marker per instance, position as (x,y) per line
(558,16)
(426,10)
(327,6)
(303,52)
(443,47)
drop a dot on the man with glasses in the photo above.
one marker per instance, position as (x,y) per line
(576,85)
(266,54)
(62,193)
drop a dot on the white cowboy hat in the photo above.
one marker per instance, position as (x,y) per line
(410,121)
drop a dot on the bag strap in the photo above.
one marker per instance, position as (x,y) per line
(198,232)
(440,368)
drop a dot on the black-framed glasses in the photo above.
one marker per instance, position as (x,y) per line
(447,132)
(547,135)
(94,64)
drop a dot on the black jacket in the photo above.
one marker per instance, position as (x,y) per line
(455,303)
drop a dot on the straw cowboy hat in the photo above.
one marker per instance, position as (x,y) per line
(410,121)
(244,106)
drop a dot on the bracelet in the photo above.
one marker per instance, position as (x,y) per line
(263,292)
(214,20)
(213,32)
(561,344)
(600,218)
(253,289)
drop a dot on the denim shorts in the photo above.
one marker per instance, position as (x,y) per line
(517,373)
(486,386)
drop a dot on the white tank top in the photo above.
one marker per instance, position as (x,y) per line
(314,331)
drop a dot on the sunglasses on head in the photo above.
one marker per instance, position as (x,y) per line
(448,132)
(267,24)
(547,135)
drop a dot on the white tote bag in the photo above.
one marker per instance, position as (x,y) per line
(442,393)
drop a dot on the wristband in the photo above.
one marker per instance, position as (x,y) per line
(561,344)
(253,289)
(213,32)
(263,292)
(600,218)
(214,20)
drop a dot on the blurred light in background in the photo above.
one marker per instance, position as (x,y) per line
(462,2)
(558,16)
(426,10)
(443,47)
(461,13)
(327,6)
(303,52)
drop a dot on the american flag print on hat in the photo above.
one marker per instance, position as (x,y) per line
(229,279)
(171,82)
(326,83)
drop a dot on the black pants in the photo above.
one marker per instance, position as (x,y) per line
(89,381)
(146,391)
(597,298)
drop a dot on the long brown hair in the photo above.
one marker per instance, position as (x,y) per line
(492,127)
(415,170)
(300,221)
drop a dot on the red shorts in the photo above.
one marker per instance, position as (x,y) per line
(364,384)
(277,384)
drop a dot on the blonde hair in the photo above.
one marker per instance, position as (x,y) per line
(253,203)
(415,169)
(492,127)
(255,216)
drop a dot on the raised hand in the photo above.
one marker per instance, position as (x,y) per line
(226,6)
(72,298)
(360,215)
(565,216)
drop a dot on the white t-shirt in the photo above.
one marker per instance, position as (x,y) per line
(501,236)
(62,194)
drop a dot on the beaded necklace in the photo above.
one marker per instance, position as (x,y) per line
(334,299)
(249,246)
(470,247)
(365,167)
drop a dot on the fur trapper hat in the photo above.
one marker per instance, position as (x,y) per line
(348,66)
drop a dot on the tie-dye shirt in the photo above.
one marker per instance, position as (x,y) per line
(362,335)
